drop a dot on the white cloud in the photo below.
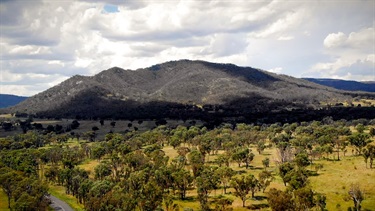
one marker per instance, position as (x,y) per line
(335,40)
(285,38)
(352,56)
(53,40)
(363,39)
(276,70)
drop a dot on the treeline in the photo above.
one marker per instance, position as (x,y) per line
(254,109)
(135,173)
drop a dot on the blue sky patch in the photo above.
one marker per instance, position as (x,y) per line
(110,8)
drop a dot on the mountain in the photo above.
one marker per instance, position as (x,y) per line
(180,89)
(345,85)
(10,100)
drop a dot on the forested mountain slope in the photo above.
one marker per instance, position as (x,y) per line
(176,89)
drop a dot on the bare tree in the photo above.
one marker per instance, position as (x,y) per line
(356,194)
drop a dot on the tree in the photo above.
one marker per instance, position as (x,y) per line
(266,162)
(30,194)
(261,146)
(302,160)
(113,124)
(359,140)
(372,131)
(243,186)
(284,169)
(297,178)
(356,194)
(243,156)
(8,181)
(196,160)
(102,170)
(369,153)
(280,200)
(360,128)
(169,205)
(304,199)
(223,159)
(340,144)
(265,179)
(182,180)
(222,204)
(97,151)
(206,182)
(225,173)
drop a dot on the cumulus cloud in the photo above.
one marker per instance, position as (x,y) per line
(363,39)
(352,55)
(44,42)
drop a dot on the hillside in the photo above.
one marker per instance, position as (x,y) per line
(179,89)
(344,84)
(10,100)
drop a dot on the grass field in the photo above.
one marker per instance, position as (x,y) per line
(3,201)
(336,177)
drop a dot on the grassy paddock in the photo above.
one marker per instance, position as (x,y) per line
(3,201)
(336,177)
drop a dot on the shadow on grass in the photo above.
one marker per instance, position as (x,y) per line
(266,154)
(256,168)
(312,173)
(259,198)
(240,171)
(188,199)
(257,206)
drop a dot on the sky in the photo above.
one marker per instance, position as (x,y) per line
(44,42)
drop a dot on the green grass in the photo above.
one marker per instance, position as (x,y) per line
(3,201)
(336,177)
(59,192)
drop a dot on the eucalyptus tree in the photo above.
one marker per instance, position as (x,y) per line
(265,179)
(359,141)
(242,186)
(205,183)
(182,181)
(225,174)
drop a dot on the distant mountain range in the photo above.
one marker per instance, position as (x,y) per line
(10,100)
(180,89)
(344,84)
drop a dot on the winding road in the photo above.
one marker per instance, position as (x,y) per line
(59,205)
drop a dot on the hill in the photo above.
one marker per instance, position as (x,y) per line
(10,100)
(345,85)
(180,89)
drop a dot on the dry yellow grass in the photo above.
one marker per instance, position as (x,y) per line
(89,165)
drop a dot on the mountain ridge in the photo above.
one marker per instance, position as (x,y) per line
(178,87)
(348,85)
(7,100)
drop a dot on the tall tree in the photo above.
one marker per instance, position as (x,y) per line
(225,174)
(243,186)
(9,180)
(265,179)
(206,182)
(359,140)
